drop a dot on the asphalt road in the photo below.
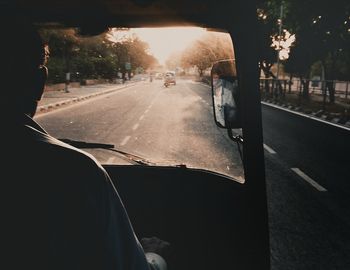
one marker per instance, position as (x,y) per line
(309,191)
(171,125)
(307,177)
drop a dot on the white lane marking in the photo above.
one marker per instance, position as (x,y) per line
(309,180)
(125,140)
(269,149)
(110,160)
(141,117)
(146,111)
(135,126)
(305,115)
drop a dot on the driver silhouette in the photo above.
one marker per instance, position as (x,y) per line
(60,208)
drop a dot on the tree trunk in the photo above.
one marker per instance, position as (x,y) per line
(267,73)
(267,86)
(330,78)
(331,90)
(290,83)
(276,84)
(200,71)
(305,84)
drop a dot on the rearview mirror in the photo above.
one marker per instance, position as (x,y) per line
(224,85)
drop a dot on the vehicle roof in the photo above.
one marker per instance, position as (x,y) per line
(95,15)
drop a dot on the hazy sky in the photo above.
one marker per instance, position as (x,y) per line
(164,41)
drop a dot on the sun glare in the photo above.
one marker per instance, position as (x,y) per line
(167,40)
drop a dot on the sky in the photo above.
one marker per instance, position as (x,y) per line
(165,41)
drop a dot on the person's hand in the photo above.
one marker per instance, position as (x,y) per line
(155,245)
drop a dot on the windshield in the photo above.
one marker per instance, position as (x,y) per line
(146,91)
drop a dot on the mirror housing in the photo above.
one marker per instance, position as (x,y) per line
(225,94)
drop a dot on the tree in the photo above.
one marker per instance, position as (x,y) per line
(322,33)
(96,58)
(93,57)
(174,60)
(139,56)
(267,28)
(203,52)
(62,45)
(130,48)
(275,40)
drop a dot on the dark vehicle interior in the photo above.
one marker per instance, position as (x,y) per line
(211,221)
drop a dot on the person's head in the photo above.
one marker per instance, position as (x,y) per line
(224,69)
(23,58)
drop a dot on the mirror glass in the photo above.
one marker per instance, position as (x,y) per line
(225,94)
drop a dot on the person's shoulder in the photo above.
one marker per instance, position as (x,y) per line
(77,164)
(50,150)
(72,154)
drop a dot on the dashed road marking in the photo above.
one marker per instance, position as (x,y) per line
(135,126)
(126,139)
(146,111)
(269,149)
(309,179)
(141,117)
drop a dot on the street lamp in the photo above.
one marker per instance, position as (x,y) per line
(279,40)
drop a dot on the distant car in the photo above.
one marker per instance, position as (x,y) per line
(169,78)
(159,76)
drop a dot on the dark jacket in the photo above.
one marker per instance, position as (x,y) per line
(61,210)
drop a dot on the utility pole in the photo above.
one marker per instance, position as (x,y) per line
(323,86)
(279,40)
(66,62)
(277,84)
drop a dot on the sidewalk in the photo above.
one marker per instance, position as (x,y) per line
(55,99)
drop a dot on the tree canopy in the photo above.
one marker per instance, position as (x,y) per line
(93,57)
(203,52)
(322,32)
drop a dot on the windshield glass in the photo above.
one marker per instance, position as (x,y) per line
(146,91)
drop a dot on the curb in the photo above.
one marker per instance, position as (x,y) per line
(314,116)
(49,107)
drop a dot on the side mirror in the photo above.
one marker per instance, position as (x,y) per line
(224,85)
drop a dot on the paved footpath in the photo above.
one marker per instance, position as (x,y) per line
(54,99)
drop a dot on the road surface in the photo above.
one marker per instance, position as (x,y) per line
(306,161)
(309,191)
(168,125)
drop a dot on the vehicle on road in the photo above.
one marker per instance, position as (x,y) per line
(169,78)
(212,219)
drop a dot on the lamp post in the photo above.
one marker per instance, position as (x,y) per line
(279,40)
(66,62)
